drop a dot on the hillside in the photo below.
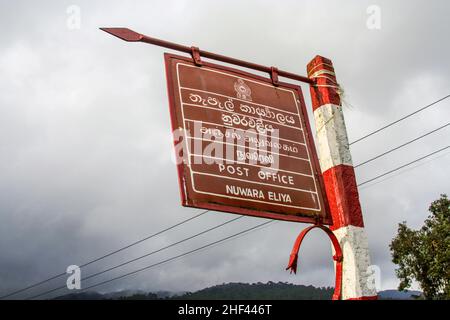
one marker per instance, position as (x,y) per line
(260,291)
(237,291)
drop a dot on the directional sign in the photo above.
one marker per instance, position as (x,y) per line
(242,144)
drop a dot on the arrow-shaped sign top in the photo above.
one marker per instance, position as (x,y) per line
(124,34)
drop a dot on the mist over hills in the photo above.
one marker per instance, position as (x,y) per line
(236,291)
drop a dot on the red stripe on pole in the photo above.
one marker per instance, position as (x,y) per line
(340,183)
(342,193)
(321,71)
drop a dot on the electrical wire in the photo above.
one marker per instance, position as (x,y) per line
(145,255)
(399,120)
(166,260)
(401,146)
(403,166)
(184,221)
(215,242)
(401,172)
(106,255)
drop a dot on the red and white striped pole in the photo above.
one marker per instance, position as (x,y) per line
(340,183)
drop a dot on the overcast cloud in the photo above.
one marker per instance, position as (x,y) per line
(85,138)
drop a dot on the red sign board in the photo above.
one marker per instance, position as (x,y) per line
(242,144)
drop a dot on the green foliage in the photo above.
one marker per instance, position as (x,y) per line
(424,255)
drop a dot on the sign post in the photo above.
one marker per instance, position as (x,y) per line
(340,183)
(246,147)
(243,143)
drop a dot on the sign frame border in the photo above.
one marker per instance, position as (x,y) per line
(327,220)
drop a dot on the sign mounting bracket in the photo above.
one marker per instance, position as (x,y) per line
(195,52)
(274,76)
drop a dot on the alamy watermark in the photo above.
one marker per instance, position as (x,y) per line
(373,21)
(208,145)
(73,21)
(374,277)
(74,280)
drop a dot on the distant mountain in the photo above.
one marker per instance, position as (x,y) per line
(123,293)
(260,291)
(237,291)
(399,295)
(169,294)
(91,295)
(118,295)
(230,291)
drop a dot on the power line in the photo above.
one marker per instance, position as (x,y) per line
(218,241)
(247,230)
(170,259)
(106,255)
(123,248)
(409,169)
(182,222)
(145,255)
(402,145)
(401,119)
(403,166)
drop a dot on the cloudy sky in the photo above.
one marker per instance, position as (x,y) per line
(85,139)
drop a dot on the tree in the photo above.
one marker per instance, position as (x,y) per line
(424,255)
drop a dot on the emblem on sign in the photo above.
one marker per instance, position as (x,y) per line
(242,90)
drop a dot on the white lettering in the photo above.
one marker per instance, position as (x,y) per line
(280,197)
(254,156)
(276,177)
(245,192)
(238,170)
